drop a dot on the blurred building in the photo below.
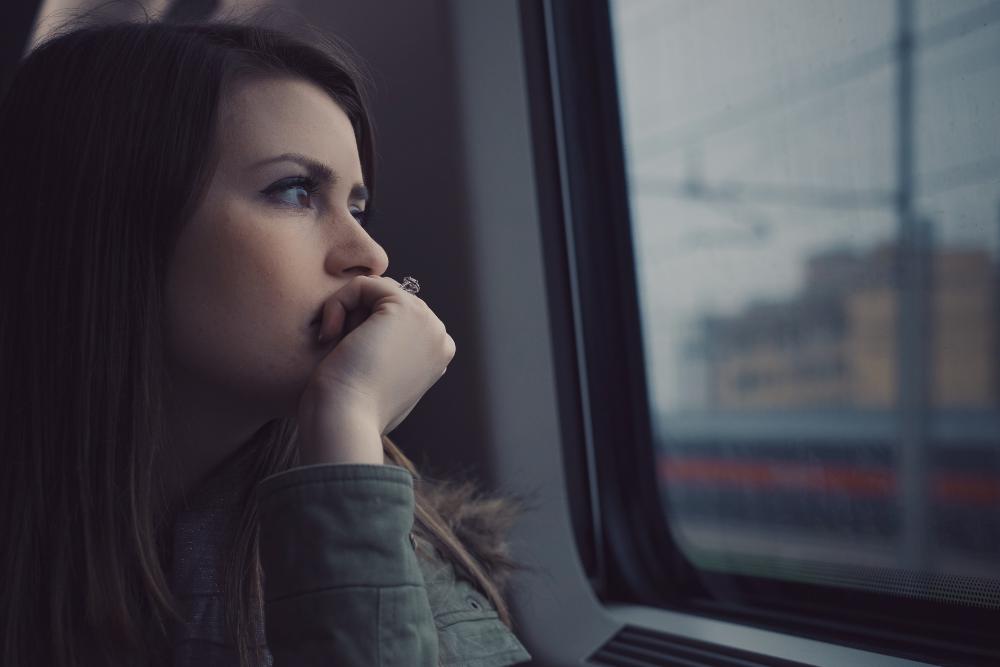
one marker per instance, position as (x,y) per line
(834,344)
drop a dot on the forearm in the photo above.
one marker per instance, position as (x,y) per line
(342,584)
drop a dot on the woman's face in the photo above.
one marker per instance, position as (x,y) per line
(261,254)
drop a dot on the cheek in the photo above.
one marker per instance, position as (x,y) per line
(233,318)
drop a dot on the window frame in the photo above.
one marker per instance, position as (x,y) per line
(608,441)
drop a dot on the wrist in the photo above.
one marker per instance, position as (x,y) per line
(338,436)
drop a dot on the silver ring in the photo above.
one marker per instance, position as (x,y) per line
(410,285)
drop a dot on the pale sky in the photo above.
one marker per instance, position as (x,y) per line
(777,93)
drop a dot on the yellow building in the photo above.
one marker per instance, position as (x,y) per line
(834,345)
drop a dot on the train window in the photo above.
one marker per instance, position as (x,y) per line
(809,196)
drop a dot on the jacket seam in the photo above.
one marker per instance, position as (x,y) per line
(267,487)
(341,480)
(280,506)
(378,629)
(264,498)
(358,468)
(326,589)
(462,661)
(447,624)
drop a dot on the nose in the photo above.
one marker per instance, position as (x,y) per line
(356,252)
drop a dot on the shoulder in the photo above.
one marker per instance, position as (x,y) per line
(470,632)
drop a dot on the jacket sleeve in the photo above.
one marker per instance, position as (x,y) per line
(470,632)
(342,585)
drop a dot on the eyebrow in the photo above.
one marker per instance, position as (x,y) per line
(317,170)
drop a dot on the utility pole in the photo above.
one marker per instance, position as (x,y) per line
(996,315)
(913,321)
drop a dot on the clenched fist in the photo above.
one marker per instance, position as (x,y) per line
(387,348)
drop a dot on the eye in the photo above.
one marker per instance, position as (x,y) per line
(304,184)
(359,215)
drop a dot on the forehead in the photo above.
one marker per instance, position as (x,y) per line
(263,117)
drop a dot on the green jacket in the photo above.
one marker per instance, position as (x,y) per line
(344,586)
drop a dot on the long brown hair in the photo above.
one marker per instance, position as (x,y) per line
(103,133)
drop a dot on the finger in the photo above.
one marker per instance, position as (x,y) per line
(362,293)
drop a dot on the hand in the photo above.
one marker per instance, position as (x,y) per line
(388,349)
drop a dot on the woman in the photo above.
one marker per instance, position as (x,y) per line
(202,359)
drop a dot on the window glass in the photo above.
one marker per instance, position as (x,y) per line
(815,197)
